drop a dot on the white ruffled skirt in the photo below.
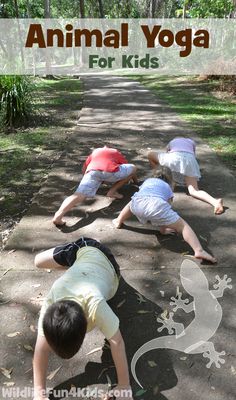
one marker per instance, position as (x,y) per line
(181,164)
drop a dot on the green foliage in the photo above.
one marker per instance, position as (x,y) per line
(15,99)
(204,8)
(120,8)
(209,114)
(26,154)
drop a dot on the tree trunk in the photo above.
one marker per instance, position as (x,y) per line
(233,12)
(185,5)
(28,9)
(101,10)
(19,32)
(82,9)
(152,8)
(47,14)
(47,8)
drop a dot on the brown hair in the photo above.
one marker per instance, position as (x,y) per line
(165,174)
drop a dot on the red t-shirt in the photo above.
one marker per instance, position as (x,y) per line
(104,159)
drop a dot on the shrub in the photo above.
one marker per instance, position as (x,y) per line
(15,100)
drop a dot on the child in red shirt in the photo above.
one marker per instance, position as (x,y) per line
(103,165)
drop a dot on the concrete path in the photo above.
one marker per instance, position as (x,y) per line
(122,114)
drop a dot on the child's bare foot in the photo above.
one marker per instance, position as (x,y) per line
(219,208)
(58,221)
(114,195)
(116,223)
(205,256)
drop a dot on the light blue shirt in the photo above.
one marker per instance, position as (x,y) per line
(155,187)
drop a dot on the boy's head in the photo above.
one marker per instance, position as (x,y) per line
(64,326)
(165,174)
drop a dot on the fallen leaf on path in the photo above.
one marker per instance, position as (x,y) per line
(33,328)
(11,251)
(121,303)
(94,351)
(140,298)
(144,312)
(140,392)
(109,381)
(155,390)
(28,347)
(164,315)
(36,285)
(9,383)
(152,364)
(203,238)
(48,270)
(183,358)
(167,280)
(53,373)
(233,371)
(13,334)
(5,272)
(157,272)
(163,266)
(102,372)
(185,253)
(37,301)
(6,372)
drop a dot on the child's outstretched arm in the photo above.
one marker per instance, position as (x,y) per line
(86,163)
(40,364)
(120,360)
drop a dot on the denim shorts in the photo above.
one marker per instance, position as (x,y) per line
(65,254)
(93,179)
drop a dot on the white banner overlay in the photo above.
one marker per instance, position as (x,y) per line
(164,46)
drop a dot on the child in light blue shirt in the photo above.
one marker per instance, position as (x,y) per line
(152,203)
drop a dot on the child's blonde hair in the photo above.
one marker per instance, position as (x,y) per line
(165,174)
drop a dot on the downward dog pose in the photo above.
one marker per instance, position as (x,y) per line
(180,158)
(152,203)
(76,303)
(103,165)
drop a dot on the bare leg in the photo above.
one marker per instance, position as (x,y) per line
(202,195)
(190,237)
(123,216)
(153,159)
(135,179)
(113,192)
(46,260)
(66,206)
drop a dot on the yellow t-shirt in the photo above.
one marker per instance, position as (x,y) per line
(90,281)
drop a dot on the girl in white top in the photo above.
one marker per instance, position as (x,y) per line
(152,203)
(180,158)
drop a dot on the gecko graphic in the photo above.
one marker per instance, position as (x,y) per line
(208,313)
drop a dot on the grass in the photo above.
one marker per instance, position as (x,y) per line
(209,112)
(26,154)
